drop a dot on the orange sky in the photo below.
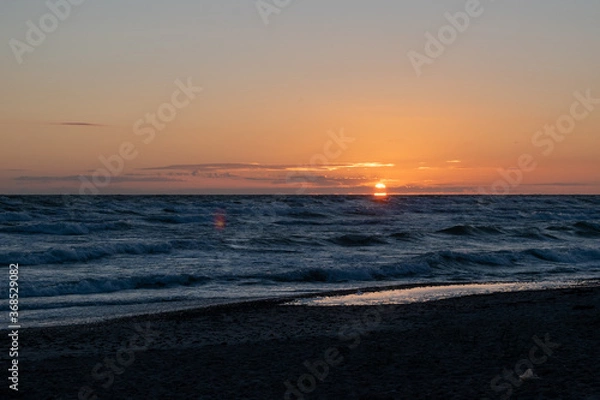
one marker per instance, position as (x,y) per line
(322,99)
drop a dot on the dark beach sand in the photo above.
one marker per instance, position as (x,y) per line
(449,349)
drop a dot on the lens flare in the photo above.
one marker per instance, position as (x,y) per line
(220,220)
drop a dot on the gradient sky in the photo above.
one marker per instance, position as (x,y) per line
(274,95)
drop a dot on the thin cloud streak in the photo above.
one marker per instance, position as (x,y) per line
(77,178)
(79,123)
(270,167)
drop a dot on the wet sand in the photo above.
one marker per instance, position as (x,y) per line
(460,348)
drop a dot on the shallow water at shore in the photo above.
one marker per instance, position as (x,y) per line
(425,294)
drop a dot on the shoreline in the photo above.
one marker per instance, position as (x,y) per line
(451,348)
(291,299)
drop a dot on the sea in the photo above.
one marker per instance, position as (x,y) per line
(89,258)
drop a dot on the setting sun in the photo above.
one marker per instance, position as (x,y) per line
(380,190)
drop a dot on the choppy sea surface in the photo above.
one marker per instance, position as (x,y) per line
(84,258)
